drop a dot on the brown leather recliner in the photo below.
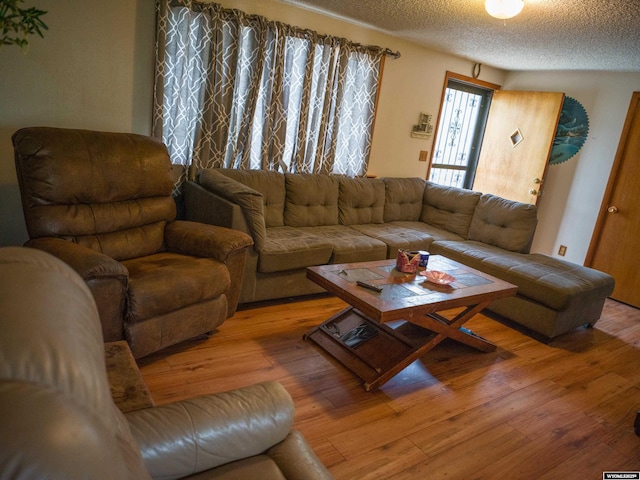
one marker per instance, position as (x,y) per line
(58,420)
(102,203)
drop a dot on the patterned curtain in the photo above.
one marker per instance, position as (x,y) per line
(239,91)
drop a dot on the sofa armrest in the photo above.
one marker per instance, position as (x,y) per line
(217,190)
(199,434)
(201,205)
(106,277)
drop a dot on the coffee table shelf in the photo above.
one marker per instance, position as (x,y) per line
(370,359)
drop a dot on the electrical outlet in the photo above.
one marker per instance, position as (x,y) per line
(562,250)
(424,154)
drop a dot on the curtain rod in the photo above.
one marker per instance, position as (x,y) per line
(391,53)
(211,4)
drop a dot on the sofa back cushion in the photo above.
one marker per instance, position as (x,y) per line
(311,200)
(504,223)
(107,191)
(403,199)
(361,201)
(270,185)
(449,208)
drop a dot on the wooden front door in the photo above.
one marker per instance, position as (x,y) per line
(614,246)
(517,143)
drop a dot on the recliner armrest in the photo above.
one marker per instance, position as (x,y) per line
(211,241)
(106,277)
(199,434)
(87,262)
(203,240)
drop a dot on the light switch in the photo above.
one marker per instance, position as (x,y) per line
(424,154)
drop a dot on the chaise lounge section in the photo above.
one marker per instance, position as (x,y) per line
(301,220)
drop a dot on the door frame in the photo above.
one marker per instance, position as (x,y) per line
(613,177)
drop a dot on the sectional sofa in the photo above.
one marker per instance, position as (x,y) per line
(300,220)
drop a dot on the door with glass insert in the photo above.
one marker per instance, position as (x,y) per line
(460,129)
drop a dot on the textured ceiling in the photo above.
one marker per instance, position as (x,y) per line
(547,35)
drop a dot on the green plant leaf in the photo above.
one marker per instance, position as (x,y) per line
(18,23)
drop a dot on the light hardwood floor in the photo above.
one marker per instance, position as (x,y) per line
(526,411)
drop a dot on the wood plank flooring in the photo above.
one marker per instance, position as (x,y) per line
(526,411)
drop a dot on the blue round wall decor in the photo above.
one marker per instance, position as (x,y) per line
(572,131)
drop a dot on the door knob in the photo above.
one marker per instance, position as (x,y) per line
(533,191)
(612,209)
(536,180)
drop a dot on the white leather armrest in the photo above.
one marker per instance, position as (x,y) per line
(195,435)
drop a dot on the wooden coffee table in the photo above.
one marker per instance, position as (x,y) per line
(381,333)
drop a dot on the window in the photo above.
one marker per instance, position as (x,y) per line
(463,115)
(239,91)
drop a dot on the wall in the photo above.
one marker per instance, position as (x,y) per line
(93,69)
(573,190)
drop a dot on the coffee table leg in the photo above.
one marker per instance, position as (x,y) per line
(444,329)
(376,372)
(454,328)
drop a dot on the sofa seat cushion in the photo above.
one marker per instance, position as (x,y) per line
(288,248)
(396,237)
(550,281)
(434,232)
(449,208)
(349,245)
(504,223)
(165,282)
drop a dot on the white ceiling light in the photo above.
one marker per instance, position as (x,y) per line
(503,8)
